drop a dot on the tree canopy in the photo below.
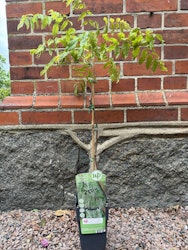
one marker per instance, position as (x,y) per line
(4,79)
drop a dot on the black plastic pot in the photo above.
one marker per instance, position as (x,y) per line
(92,241)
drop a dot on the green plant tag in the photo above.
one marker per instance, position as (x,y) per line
(91,191)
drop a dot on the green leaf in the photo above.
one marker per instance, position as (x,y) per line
(50,42)
(159,37)
(136,52)
(125,49)
(64,25)
(105,19)
(76,89)
(117,51)
(41,48)
(149,61)
(55,29)
(72,44)
(155,65)
(121,35)
(162,66)
(25,20)
(143,56)
(48,21)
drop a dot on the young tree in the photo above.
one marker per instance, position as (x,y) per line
(105,44)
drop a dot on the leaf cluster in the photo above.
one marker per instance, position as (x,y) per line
(101,43)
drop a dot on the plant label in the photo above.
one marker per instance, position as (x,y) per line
(91,191)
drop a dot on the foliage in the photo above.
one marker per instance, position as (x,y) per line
(4,79)
(102,44)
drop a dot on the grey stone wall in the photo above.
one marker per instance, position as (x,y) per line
(38,168)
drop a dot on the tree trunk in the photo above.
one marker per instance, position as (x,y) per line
(93,163)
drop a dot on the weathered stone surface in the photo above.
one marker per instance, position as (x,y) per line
(38,168)
(147,172)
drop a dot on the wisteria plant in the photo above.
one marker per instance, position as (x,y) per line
(90,44)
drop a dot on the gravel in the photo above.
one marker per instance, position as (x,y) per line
(128,229)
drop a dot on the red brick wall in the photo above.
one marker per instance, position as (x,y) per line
(140,95)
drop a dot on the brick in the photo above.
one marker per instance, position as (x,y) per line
(175,82)
(22,88)
(102,86)
(76,24)
(147,5)
(180,98)
(149,83)
(151,99)
(175,36)
(82,117)
(100,101)
(57,6)
(149,21)
(17,102)
(134,69)
(149,115)
(105,6)
(72,101)
(98,19)
(24,42)
(176,20)
(184,5)
(181,67)
(176,52)
(20,58)
(46,117)
(9,118)
(100,71)
(110,116)
(124,85)
(15,10)
(102,116)
(12,28)
(57,72)
(121,100)
(67,86)
(43,102)
(43,59)
(23,73)
(184,114)
(47,87)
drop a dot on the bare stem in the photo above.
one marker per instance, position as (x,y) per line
(93,164)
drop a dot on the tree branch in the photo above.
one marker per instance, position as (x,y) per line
(75,138)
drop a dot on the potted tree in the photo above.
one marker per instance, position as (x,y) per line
(93,43)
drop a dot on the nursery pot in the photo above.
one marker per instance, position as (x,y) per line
(92,210)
